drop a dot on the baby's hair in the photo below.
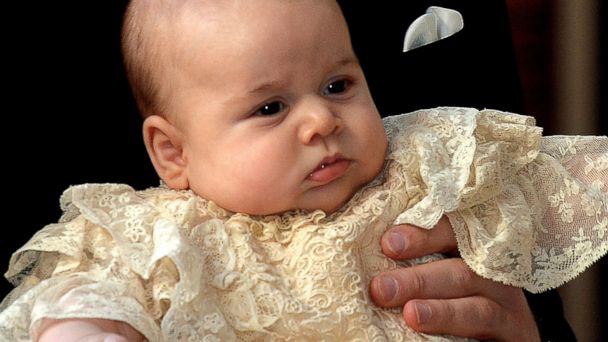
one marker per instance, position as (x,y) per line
(149,43)
(142,49)
(154,41)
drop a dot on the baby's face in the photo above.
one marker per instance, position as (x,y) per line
(274,109)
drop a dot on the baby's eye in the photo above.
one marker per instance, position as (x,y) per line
(337,87)
(270,108)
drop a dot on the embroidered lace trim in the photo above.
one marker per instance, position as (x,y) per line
(526,210)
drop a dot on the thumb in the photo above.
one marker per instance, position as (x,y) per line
(408,242)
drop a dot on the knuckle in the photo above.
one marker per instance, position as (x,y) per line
(463,275)
(490,316)
(487,312)
(448,313)
(496,319)
(417,283)
(424,240)
(511,293)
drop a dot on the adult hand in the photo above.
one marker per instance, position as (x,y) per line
(445,296)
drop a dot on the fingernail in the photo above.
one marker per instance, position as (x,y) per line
(388,287)
(396,243)
(423,313)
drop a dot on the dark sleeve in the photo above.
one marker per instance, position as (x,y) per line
(549,314)
(475,67)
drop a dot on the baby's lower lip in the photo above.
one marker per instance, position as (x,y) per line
(330,171)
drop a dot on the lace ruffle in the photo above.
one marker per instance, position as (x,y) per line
(549,222)
(177,267)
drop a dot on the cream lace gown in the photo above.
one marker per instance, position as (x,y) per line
(526,210)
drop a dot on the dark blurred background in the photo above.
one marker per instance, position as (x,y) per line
(67,103)
(560,46)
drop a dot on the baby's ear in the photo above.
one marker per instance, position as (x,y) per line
(164,145)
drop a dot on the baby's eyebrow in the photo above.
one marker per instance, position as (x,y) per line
(278,83)
(265,86)
(347,61)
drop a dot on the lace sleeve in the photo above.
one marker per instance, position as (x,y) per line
(58,280)
(550,221)
(84,267)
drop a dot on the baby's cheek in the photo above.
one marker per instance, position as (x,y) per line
(262,185)
(375,142)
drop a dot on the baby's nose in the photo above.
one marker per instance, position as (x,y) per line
(318,121)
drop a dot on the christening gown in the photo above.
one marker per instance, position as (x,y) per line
(527,210)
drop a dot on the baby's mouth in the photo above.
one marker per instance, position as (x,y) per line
(329,169)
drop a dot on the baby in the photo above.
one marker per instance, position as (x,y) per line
(278,179)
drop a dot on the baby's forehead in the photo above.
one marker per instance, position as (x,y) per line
(192,21)
(167,41)
(218,11)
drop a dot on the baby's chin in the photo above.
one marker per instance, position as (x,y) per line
(333,204)
(329,199)
(327,205)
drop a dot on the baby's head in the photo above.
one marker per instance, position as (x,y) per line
(258,105)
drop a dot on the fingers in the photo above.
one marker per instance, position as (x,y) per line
(446,297)
(474,317)
(442,279)
(406,241)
